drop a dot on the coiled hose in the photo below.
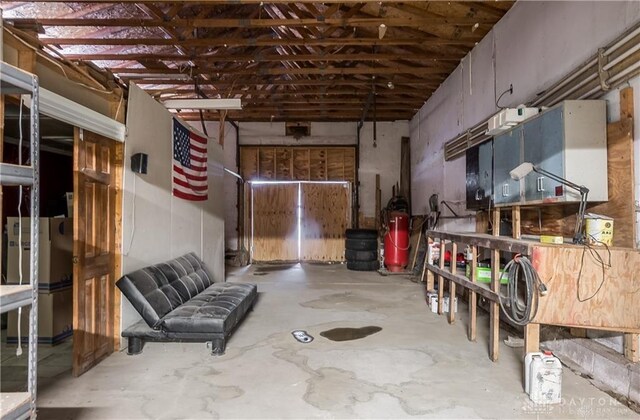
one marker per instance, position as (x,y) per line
(521,310)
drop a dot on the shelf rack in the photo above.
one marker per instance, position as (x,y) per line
(15,82)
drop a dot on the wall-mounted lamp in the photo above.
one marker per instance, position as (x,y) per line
(526,168)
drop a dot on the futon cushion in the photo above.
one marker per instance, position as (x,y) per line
(216,310)
(157,290)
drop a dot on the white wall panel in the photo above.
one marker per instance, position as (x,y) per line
(165,227)
(534,45)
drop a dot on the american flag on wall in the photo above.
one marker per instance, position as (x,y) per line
(189,164)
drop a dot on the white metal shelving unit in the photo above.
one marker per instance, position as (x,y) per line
(13,81)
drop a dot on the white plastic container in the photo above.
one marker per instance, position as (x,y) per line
(543,378)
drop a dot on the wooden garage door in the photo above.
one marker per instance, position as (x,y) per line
(275,222)
(326,211)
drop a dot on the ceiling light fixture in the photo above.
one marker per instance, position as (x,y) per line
(232,103)
(382,29)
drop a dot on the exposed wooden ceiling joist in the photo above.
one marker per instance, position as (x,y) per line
(258,23)
(257,42)
(286,60)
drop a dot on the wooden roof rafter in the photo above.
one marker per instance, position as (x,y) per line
(282,58)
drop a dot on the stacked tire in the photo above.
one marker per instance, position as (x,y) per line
(362,249)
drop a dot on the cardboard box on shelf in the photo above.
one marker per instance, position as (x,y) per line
(55,319)
(55,260)
(432,302)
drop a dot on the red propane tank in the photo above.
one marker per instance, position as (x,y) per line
(396,242)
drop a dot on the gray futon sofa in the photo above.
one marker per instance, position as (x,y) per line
(179,301)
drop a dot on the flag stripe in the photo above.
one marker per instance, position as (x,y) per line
(199,149)
(187,185)
(190,197)
(198,158)
(193,182)
(179,171)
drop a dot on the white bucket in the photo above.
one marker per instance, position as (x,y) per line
(598,229)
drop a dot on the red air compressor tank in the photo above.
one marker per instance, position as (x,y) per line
(396,242)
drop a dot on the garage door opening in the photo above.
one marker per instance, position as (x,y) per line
(299,221)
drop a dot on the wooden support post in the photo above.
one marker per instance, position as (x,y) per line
(531,338)
(494,309)
(440,279)
(472,295)
(515,222)
(482,221)
(1,160)
(378,202)
(415,251)
(631,341)
(632,348)
(430,278)
(452,286)
(578,332)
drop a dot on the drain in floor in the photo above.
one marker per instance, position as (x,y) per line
(346,334)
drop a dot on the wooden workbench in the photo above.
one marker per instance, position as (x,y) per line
(581,293)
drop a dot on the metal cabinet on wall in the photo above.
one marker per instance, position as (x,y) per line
(506,156)
(568,140)
(544,146)
(480,176)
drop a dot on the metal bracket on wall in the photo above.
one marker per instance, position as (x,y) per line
(603,74)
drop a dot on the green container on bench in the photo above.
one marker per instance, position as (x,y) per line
(484,274)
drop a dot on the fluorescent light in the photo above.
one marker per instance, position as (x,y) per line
(203,104)
(65,110)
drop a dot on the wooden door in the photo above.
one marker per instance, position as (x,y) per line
(97,180)
(326,211)
(275,222)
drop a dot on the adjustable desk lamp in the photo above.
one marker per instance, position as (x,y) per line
(526,168)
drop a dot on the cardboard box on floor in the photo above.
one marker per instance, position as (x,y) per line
(55,261)
(55,319)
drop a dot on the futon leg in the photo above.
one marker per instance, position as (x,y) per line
(135,346)
(218,346)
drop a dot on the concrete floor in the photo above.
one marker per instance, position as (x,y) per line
(418,365)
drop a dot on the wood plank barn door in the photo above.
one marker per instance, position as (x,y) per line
(275,222)
(326,212)
(97,178)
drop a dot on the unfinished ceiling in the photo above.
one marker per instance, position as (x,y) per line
(291,61)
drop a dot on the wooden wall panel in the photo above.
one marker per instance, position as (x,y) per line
(301,170)
(275,222)
(292,163)
(335,164)
(249,162)
(581,294)
(267,163)
(318,164)
(350,164)
(326,211)
(284,162)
